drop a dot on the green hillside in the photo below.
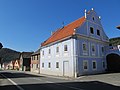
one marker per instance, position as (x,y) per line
(7,55)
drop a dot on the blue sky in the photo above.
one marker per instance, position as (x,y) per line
(24,24)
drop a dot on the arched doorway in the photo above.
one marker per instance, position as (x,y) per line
(113,62)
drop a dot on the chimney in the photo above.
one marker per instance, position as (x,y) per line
(52,32)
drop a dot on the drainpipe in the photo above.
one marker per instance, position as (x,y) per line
(39,59)
(39,66)
(75,56)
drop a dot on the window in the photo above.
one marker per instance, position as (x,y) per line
(91,30)
(34,57)
(85,65)
(57,64)
(32,65)
(84,47)
(94,65)
(65,48)
(49,65)
(49,51)
(42,64)
(43,53)
(98,32)
(102,49)
(57,49)
(103,63)
(93,48)
(93,18)
(37,65)
(37,57)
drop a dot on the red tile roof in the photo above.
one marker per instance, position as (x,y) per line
(64,32)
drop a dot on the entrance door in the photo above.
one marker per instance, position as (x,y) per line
(66,68)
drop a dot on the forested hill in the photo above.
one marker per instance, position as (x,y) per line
(7,54)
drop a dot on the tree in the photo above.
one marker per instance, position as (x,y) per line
(1,45)
(115,41)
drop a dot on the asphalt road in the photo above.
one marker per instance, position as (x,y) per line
(10,80)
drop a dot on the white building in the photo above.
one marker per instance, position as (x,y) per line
(75,49)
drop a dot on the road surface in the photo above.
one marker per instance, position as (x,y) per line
(14,80)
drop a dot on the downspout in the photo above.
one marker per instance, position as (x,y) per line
(75,59)
(39,60)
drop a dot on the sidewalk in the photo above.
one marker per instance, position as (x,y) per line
(44,75)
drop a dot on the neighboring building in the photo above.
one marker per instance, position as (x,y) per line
(13,65)
(0,63)
(113,58)
(8,65)
(16,65)
(25,61)
(76,49)
(35,61)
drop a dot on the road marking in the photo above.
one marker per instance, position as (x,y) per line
(20,88)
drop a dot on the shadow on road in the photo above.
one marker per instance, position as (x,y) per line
(17,75)
(92,85)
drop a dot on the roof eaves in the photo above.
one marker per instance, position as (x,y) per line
(56,41)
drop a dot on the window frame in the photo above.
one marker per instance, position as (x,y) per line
(85,61)
(43,53)
(93,52)
(102,49)
(42,64)
(37,57)
(98,32)
(49,65)
(57,65)
(31,65)
(85,51)
(103,64)
(49,51)
(91,30)
(93,18)
(57,49)
(65,48)
(94,61)
(37,66)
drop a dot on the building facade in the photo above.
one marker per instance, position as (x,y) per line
(35,62)
(25,61)
(75,49)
